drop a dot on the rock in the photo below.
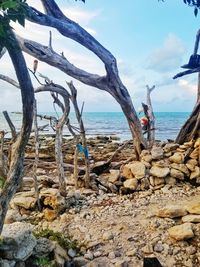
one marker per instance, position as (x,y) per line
(191,163)
(158,247)
(18,241)
(157,153)
(180,167)
(43,247)
(107,236)
(195,153)
(144,183)
(131,184)
(126,172)
(138,169)
(12,216)
(181,232)
(170,147)
(147,158)
(60,254)
(25,200)
(193,208)
(196,173)
(171,211)
(159,172)
(170,180)
(89,255)
(72,253)
(176,174)
(114,176)
(191,218)
(177,157)
(121,263)
(50,215)
(158,181)
(6,263)
(51,197)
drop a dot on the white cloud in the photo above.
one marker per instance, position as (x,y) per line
(167,57)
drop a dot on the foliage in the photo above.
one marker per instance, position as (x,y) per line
(11,10)
(44,262)
(2,181)
(63,241)
(193,3)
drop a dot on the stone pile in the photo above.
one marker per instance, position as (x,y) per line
(164,164)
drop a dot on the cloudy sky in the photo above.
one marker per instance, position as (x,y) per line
(150,40)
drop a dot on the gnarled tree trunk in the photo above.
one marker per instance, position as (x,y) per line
(110,82)
(27,93)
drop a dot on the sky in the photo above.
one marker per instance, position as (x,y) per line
(150,39)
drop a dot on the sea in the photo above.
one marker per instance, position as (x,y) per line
(168,124)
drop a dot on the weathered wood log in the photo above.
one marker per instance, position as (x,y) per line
(27,93)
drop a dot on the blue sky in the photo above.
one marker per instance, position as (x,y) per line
(150,40)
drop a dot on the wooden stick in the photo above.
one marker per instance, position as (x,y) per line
(11,125)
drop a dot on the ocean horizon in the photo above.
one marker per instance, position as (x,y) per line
(168,124)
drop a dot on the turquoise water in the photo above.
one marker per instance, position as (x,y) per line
(168,124)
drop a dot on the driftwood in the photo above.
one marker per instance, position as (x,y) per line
(16,168)
(111,82)
(3,160)
(73,98)
(151,133)
(11,125)
(35,165)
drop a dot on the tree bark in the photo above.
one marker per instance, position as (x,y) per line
(191,127)
(27,93)
(151,133)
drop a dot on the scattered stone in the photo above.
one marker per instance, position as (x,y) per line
(71,252)
(195,173)
(138,169)
(159,172)
(177,174)
(191,164)
(107,236)
(181,232)
(131,184)
(157,153)
(18,237)
(177,157)
(171,211)
(193,208)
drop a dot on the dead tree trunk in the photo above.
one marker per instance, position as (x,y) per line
(55,88)
(82,132)
(35,165)
(110,83)
(3,161)
(11,125)
(27,93)
(151,133)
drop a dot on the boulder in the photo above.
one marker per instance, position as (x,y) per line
(196,173)
(131,183)
(176,174)
(181,232)
(157,153)
(191,164)
(126,172)
(43,247)
(24,200)
(195,153)
(170,147)
(193,208)
(180,167)
(159,172)
(191,218)
(197,143)
(138,169)
(18,241)
(113,176)
(171,211)
(177,157)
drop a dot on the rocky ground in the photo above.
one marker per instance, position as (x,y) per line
(109,228)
